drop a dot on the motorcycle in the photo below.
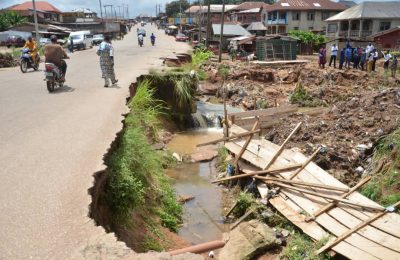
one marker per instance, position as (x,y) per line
(27,62)
(54,76)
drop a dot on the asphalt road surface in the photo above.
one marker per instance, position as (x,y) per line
(51,144)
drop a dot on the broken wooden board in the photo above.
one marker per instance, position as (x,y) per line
(375,240)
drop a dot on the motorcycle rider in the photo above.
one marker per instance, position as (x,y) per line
(140,39)
(55,54)
(153,38)
(31,45)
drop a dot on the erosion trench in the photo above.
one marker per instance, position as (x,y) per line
(348,128)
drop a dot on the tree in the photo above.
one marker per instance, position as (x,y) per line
(176,7)
(308,37)
(10,18)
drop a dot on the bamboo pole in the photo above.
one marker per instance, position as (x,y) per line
(231,210)
(282,146)
(271,171)
(230,137)
(305,164)
(353,230)
(334,198)
(248,140)
(301,183)
(331,205)
(241,219)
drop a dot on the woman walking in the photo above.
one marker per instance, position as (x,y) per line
(106,53)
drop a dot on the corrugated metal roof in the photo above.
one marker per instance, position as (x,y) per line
(254,10)
(230,30)
(256,26)
(250,5)
(369,10)
(306,5)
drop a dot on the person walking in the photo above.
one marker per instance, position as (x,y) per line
(322,57)
(106,53)
(386,60)
(342,58)
(376,55)
(348,58)
(393,67)
(334,51)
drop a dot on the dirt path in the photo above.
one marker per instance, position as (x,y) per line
(51,144)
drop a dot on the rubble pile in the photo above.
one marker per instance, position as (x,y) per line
(6,60)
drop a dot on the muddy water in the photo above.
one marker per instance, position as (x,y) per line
(202,215)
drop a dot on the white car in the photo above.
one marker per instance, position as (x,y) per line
(97,39)
(44,41)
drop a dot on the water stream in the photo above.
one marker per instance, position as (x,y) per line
(203,216)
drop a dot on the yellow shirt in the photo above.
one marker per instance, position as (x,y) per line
(31,45)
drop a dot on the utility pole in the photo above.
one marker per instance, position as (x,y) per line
(222,31)
(208,23)
(36,22)
(200,20)
(101,11)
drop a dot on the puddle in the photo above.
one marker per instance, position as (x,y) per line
(202,215)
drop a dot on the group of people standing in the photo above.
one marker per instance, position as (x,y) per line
(362,58)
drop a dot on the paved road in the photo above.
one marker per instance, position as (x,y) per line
(51,144)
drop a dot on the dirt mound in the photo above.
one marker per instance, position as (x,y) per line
(6,60)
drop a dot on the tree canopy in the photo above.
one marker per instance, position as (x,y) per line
(308,37)
(9,19)
(176,7)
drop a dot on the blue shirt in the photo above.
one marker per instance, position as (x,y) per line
(348,53)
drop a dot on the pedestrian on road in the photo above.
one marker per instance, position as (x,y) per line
(342,58)
(71,45)
(334,50)
(106,53)
(322,57)
(393,67)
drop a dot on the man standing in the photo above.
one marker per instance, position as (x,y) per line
(334,50)
(106,53)
(363,59)
(376,55)
(386,58)
(369,49)
(342,58)
(55,54)
(393,67)
(348,58)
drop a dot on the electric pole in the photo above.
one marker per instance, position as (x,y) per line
(36,21)
(222,31)
(101,11)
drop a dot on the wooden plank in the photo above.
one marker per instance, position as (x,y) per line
(353,230)
(315,231)
(229,138)
(240,220)
(244,147)
(265,112)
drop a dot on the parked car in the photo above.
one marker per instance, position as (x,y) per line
(97,39)
(81,40)
(44,41)
(180,37)
(15,41)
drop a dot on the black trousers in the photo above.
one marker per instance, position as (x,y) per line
(63,67)
(333,58)
(373,64)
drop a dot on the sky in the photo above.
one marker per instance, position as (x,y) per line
(136,7)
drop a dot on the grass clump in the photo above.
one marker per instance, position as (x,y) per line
(300,247)
(136,171)
(200,56)
(300,96)
(185,90)
(244,202)
(384,187)
(222,162)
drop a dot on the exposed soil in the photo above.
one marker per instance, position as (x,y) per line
(357,108)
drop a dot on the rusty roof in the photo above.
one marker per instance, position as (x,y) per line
(250,5)
(306,5)
(40,6)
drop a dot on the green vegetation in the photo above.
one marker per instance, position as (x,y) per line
(300,247)
(221,161)
(300,96)
(308,37)
(184,90)
(10,18)
(384,187)
(136,173)
(15,52)
(244,202)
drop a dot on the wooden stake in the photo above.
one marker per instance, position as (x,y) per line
(353,230)
(271,171)
(331,205)
(230,137)
(282,146)
(334,198)
(305,164)
(301,183)
(241,219)
(248,140)
(231,210)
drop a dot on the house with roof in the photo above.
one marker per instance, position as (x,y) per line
(307,15)
(81,14)
(45,11)
(229,31)
(364,20)
(389,39)
(215,13)
(249,12)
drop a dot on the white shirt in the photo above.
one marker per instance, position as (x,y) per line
(369,48)
(387,57)
(376,54)
(140,37)
(334,50)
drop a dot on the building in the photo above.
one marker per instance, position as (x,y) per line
(230,31)
(306,15)
(45,11)
(249,12)
(199,13)
(364,20)
(257,28)
(389,39)
(79,15)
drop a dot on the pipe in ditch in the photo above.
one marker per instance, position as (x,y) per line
(200,248)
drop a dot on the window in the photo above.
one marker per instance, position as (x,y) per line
(311,28)
(296,16)
(332,28)
(296,28)
(254,18)
(383,26)
(310,16)
(324,16)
